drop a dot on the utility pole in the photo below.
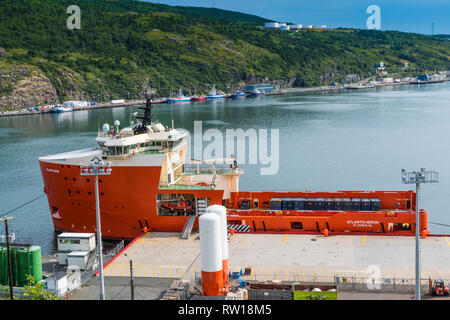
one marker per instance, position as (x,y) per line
(417,178)
(98,168)
(11,286)
(131,280)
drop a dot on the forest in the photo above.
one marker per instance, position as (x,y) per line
(124,46)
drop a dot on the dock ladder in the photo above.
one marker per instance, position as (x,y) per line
(188,227)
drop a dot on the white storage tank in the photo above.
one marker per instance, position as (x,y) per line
(221,211)
(271,25)
(211,254)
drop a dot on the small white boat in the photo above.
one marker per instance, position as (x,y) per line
(59,109)
(255,93)
(214,94)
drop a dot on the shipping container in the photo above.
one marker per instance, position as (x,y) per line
(309,204)
(275,204)
(287,204)
(318,204)
(346,204)
(365,204)
(374,204)
(356,204)
(337,204)
(299,204)
(328,204)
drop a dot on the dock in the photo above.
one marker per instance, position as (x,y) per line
(289,257)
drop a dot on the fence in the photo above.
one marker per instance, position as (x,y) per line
(351,283)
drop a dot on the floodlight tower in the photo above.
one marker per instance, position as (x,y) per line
(98,168)
(418,177)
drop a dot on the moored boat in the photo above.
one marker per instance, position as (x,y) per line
(214,94)
(238,94)
(60,109)
(178,98)
(198,98)
(256,93)
(151,188)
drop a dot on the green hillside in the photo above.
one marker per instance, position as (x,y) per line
(124,46)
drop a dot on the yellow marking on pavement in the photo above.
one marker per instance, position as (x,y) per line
(287,274)
(176,272)
(295,276)
(184,274)
(139,270)
(154,271)
(124,268)
(143,237)
(148,267)
(364,240)
(268,273)
(284,240)
(162,270)
(193,271)
(117,268)
(303,273)
(254,274)
(170,270)
(448,241)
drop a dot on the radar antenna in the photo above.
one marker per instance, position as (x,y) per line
(147,117)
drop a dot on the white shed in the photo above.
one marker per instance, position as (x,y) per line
(69,241)
(78,258)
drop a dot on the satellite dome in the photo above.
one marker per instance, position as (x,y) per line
(117,123)
(105,127)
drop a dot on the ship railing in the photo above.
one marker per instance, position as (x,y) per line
(207,169)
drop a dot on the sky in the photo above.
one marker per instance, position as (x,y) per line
(401,15)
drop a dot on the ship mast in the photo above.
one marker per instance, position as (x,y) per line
(146,118)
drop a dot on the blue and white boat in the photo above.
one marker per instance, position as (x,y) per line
(60,109)
(256,93)
(179,98)
(214,94)
(238,94)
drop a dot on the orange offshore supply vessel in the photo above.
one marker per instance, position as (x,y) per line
(152,188)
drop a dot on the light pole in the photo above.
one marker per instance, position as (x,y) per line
(10,271)
(98,168)
(418,177)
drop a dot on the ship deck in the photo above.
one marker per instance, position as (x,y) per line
(289,257)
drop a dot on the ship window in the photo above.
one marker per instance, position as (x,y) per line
(126,149)
(296,225)
(133,146)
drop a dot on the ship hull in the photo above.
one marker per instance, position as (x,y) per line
(128,204)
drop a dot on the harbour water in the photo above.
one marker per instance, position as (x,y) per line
(356,140)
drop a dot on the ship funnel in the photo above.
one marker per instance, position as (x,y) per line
(211,254)
(221,212)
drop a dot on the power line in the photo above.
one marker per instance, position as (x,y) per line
(440,224)
(23,205)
